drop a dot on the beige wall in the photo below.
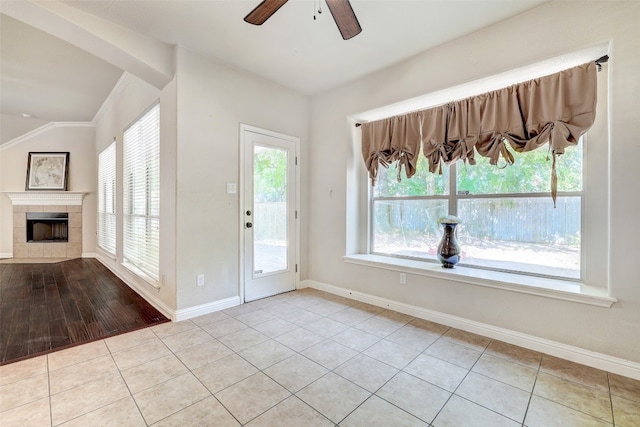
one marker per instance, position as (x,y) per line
(551,30)
(213,100)
(79,141)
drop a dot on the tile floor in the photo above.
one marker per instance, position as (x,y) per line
(308,358)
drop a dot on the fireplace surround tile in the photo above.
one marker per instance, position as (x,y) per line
(19,235)
(74,250)
(20,250)
(35,250)
(19,219)
(75,234)
(75,219)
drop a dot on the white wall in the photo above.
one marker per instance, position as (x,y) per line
(213,100)
(545,32)
(78,140)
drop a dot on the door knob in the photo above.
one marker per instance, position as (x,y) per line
(248,225)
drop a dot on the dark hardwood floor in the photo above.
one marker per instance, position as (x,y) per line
(47,307)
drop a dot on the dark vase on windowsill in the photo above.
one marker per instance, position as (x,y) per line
(448,248)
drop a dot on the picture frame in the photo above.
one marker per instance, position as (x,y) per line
(47,171)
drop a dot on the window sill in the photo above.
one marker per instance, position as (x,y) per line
(540,286)
(142,275)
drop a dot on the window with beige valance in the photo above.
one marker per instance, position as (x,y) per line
(556,109)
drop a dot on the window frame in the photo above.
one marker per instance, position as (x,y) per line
(109,153)
(133,258)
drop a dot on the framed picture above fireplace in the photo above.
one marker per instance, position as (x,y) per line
(47,171)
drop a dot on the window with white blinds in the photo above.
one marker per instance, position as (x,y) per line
(107,199)
(141,195)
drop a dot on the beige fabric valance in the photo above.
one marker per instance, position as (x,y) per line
(557,109)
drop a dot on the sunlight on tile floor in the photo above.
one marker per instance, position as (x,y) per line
(308,358)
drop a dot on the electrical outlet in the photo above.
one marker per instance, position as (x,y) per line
(200,279)
(403,278)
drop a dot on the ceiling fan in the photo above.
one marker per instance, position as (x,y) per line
(341,11)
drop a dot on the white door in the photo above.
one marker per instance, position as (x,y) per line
(269,213)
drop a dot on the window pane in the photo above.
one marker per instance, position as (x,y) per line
(531,173)
(407,227)
(270,207)
(423,183)
(522,234)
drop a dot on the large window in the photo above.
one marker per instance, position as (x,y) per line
(107,199)
(509,221)
(141,194)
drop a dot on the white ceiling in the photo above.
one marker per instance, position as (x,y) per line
(58,82)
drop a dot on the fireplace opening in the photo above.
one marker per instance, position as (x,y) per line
(47,227)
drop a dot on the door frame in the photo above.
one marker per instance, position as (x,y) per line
(241,188)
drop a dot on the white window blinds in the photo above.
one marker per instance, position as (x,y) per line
(141,198)
(107,199)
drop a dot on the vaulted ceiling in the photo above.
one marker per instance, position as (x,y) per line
(55,80)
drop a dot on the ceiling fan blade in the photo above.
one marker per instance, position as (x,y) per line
(263,11)
(345,18)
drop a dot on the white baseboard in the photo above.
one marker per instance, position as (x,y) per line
(88,255)
(210,307)
(612,364)
(139,289)
(303,284)
(6,255)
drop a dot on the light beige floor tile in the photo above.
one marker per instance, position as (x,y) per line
(436,371)
(299,339)
(224,372)
(275,327)
(128,340)
(333,396)
(468,339)
(369,308)
(265,302)
(280,308)
(73,355)
(33,414)
(326,327)
(368,373)
(427,325)
(255,317)
(459,355)
(22,370)
(460,412)
(88,397)
(186,339)
(379,326)
(224,327)
(170,397)
(243,339)
(514,353)
(507,372)
(141,354)
(391,353)
(300,317)
(396,316)
(626,413)
(171,328)
(295,372)
(417,397)
(499,397)
(240,309)
(574,395)
(24,391)
(266,354)
(152,373)
(207,412)
(252,396)
(625,387)
(201,354)
(80,373)
(123,413)
(329,354)
(582,374)
(376,412)
(351,316)
(216,316)
(356,339)
(544,413)
(291,412)
(413,337)
(326,308)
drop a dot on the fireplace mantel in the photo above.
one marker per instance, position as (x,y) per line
(45,197)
